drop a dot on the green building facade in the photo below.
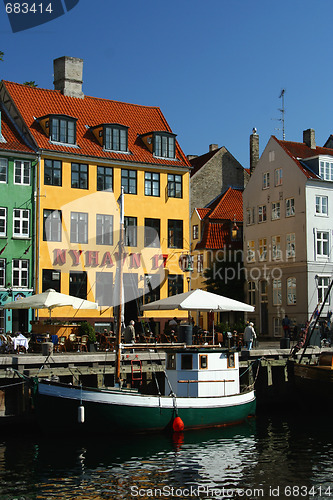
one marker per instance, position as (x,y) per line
(17,223)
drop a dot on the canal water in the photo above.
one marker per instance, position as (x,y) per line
(280,456)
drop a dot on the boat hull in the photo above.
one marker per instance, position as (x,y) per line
(314,383)
(127,411)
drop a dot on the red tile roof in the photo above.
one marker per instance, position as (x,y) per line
(13,141)
(34,103)
(215,236)
(229,207)
(202,212)
(300,151)
(218,219)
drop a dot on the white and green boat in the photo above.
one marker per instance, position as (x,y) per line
(202,389)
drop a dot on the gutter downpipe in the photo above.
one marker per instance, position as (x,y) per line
(37,226)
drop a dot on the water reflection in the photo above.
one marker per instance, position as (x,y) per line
(260,455)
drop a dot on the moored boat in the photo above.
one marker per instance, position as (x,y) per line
(202,389)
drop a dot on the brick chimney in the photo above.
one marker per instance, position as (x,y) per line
(254,150)
(213,147)
(68,76)
(309,138)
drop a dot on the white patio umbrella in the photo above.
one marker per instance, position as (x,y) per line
(198,300)
(50,300)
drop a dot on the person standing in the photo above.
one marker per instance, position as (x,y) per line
(286,327)
(249,335)
(129,334)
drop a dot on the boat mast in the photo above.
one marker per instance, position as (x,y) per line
(120,289)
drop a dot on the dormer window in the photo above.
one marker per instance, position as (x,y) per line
(62,129)
(164,145)
(59,128)
(160,144)
(326,169)
(115,137)
(112,136)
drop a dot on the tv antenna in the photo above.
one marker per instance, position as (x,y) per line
(282,111)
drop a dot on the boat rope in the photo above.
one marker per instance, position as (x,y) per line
(258,362)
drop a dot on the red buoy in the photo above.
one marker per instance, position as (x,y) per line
(178,424)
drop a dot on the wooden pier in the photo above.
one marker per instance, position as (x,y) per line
(270,369)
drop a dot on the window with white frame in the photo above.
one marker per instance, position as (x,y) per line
(21,223)
(290,207)
(323,284)
(326,170)
(290,245)
(276,210)
(278,177)
(321,205)
(79,227)
(195,235)
(271,156)
(262,249)
(277,292)
(291,291)
(322,243)
(262,214)
(2,273)
(3,221)
(22,172)
(252,293)
(250,216)
(3,170)
(276,248)
(265,180)
(20,273)
(250,251)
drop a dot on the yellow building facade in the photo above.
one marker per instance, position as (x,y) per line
(90,151)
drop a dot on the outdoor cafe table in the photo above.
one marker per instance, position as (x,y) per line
(20,340)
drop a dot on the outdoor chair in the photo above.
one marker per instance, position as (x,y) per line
(61,346)
(72,341)
(83,343)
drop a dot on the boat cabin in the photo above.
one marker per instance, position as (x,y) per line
(202,372)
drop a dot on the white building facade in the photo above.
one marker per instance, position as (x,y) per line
(288,222)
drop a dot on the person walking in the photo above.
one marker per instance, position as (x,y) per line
(249,335)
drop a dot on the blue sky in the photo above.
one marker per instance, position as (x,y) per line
(215,67)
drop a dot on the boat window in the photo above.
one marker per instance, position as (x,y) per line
(203,362)
(171,362)
(231,360)
(186,362)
